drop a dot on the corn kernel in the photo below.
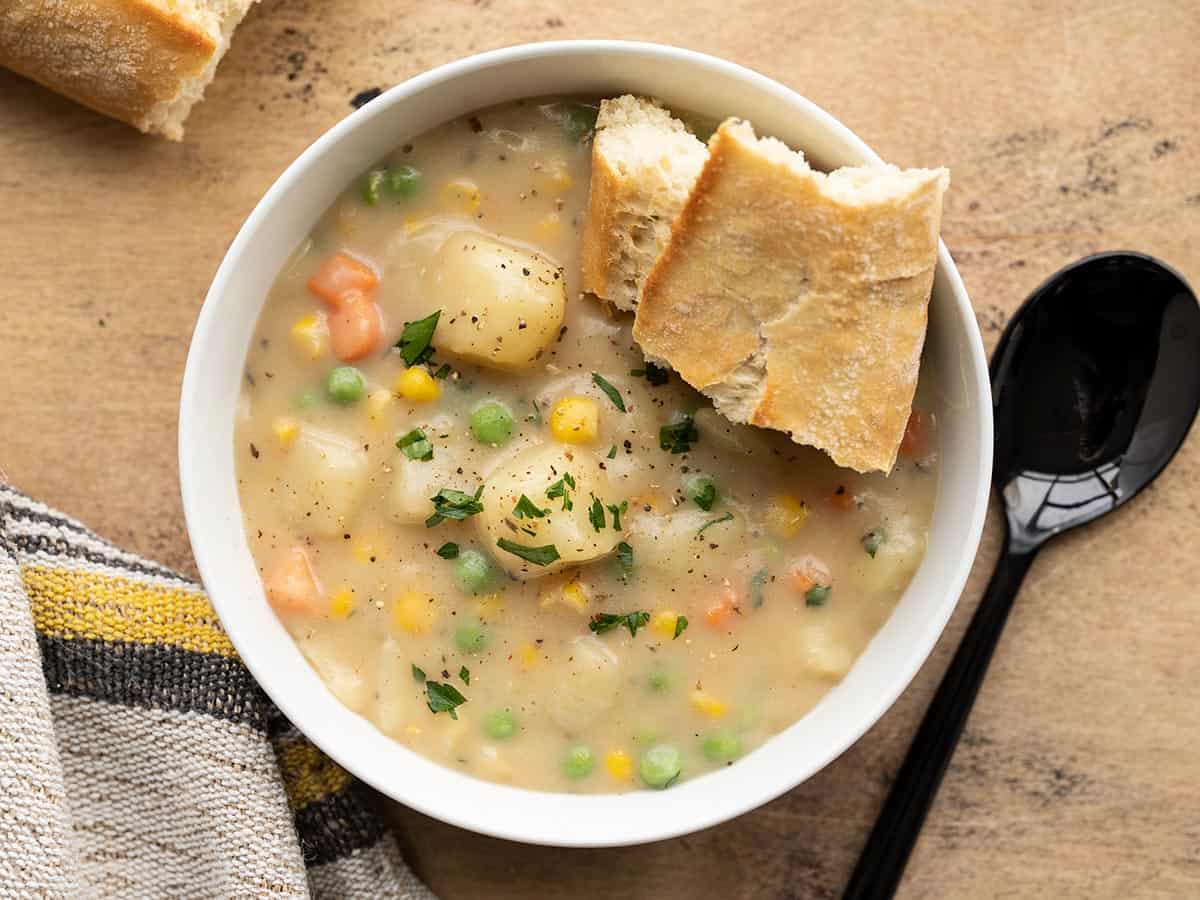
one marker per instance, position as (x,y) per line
(341,604)
(528,657)
(414,613)
(664,623)
(574,596)
(310,335)
(490,607)
(377,404)
(785,516)
(575,420)
(619,765)
(285,431)
(461,195)
(707,704)
(548,227)
(416,384)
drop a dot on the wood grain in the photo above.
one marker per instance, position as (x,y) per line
(1069,128)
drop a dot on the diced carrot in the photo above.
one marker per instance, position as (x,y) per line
(341,276)
(291,584)
(842,498)
(807,572)
(918,435)
(354,327)
(726,603)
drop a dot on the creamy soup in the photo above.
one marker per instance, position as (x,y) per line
(499,534)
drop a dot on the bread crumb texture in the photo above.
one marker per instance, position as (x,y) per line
(145,62)
(798,300)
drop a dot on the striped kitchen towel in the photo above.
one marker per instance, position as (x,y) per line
(138,758)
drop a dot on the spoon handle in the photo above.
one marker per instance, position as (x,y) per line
(895,833)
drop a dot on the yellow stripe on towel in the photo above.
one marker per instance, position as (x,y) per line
(70,603)
(308,774)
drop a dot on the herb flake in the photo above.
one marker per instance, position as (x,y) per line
(448,550)
(418,673)
(539,556)
(656,375)
(817,595)
(616,509)
(873,540)
(681,624)
(465,674)
(415,446)
(609,391)
(527,509)
(451,504)
(561,489)
(596,513)
(711,522)
(416,341)
(624,560)
(443,698)
(602,622)
(679,435)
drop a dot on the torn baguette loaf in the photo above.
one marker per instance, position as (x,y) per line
(145,62)
(798,300)
(644,163)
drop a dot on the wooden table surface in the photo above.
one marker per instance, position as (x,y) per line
(1069,128)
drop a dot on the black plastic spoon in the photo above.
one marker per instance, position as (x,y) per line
(1095,384)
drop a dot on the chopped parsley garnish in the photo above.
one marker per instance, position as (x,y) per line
(609,391)
(451,504)
(418,673)
(596,513)
(616,510)
(612,452)
(757,581)
(448,550)
(465,674)
(539,556)
(562,488)
(527,509)
(602,622)
(415,445)
(702,492)
(679,435)
(416,341)
(717,521)
(443,698)
(624,560)
(817,595)
(656,375)
(443,371)
(680,626)
(873,540)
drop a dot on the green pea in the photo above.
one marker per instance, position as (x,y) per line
(371,185)
(722,746)
(701,491)
(472,571)
(471,636)
(404,181)
(579,120)
(307,399)
(661,766)
(345,385)
(659,681)
(501,725)
(579,762)
(492,423)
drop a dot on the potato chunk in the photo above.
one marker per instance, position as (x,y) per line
(501,305)
(531,473)
(324,475)
(586,686)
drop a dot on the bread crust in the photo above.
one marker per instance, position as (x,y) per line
(128,59)
(799,302)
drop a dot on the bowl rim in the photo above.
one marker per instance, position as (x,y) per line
(561,819)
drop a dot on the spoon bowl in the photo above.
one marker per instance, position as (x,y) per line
(1095,384)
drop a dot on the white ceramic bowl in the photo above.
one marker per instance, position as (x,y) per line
(206,452)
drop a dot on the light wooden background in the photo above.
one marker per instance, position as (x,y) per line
(1069,128)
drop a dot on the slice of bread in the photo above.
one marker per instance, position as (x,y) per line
(644,163)
(145,62)
(798,300)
